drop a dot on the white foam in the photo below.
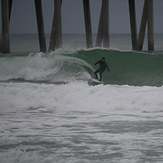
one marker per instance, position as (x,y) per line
(39,67)
(80,96)
(38,119)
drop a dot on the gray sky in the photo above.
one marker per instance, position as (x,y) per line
(23,16)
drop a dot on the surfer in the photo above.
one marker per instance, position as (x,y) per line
(102,67)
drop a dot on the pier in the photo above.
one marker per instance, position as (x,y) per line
(103,33)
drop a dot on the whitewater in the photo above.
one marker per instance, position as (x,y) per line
(50,112)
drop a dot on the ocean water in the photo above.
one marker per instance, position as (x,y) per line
(25,43)
(51,111)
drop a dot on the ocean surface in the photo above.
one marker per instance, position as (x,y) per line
(53,111)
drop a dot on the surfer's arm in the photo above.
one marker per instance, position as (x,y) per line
(97,62)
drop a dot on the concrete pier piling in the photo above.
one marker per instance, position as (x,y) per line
(5,23)
(133,25)
(103,28)
(40,25)
(10,8)
(147,23)
(150,26)
(56,32)
(88,25)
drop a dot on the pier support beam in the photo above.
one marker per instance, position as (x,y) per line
(100,29)
(56,32)
(147,21)
(1,39)
(133,26)
(106,40)
(10,7)
(150,26)
(103,28)
(40,25)
(88,26)
(143,26)
(4,36)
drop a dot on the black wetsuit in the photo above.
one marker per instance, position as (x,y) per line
(102,67)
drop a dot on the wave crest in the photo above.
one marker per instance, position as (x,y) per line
(44,68)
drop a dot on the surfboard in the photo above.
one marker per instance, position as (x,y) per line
(94,82)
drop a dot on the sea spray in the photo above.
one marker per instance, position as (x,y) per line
(44,68)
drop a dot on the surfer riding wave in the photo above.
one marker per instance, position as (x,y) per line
(102,67)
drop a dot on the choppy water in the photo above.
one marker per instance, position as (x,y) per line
(79,123)
(74,122)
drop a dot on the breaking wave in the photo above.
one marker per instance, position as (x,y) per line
(127,67)
(44,68)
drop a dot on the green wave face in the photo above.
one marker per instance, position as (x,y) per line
(131,68)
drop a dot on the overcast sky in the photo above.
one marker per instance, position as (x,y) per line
(24,19)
